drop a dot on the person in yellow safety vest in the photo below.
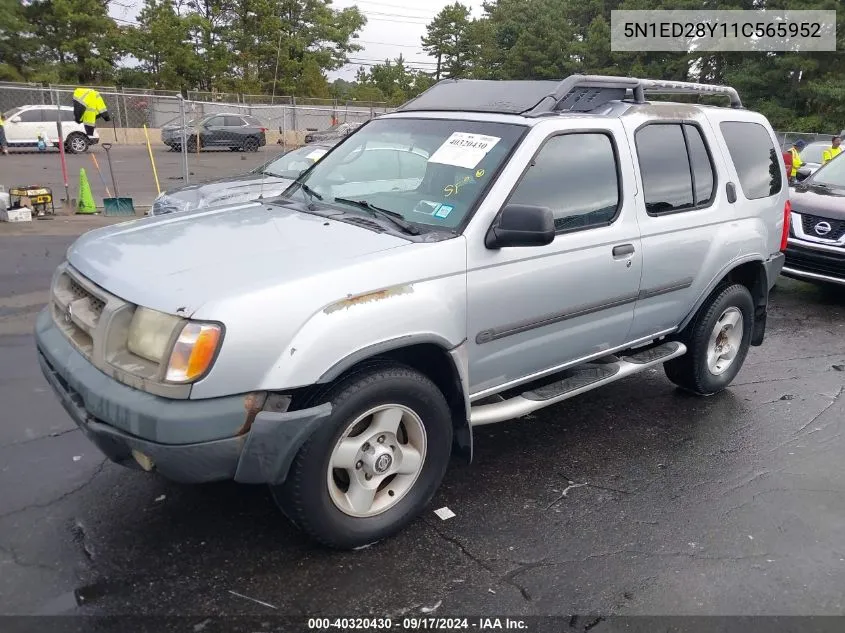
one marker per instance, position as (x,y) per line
(88,106)
(834,151)
(795,150)
(3,142)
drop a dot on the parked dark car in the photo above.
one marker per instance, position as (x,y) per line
(337,132)
(816,247)
(267,181)
(232,130)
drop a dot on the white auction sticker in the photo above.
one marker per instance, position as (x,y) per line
(316,154)
(464,149)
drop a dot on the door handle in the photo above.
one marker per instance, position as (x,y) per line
(623,250)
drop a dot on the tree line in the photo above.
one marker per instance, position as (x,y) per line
(288,47)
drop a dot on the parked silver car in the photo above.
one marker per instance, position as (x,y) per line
(267,181)
(521,244)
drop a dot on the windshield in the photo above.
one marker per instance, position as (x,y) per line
(429,171)
(293,163)
(832,174)
(813,153)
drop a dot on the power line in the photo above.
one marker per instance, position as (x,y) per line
(407,61)
(393,6)
(388,44)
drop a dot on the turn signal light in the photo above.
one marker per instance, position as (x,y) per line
(194,352)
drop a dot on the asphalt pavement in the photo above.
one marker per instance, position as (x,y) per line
(635,499)
(132,169)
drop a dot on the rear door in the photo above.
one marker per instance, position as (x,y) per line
(235,131)
(684,217)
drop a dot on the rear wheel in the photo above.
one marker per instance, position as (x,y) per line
(251,145)
(717,343)
(77,143)
(377,461)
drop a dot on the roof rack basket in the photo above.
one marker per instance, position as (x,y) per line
(576,93)
(586,92)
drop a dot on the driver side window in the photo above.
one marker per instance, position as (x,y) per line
(575,175)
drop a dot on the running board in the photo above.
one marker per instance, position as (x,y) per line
(575,381)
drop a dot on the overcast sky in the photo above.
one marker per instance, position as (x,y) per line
(393,27)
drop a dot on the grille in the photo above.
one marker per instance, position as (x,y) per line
(96,304)
(837,227)
(831,264)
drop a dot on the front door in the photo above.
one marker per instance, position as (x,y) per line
(533,309)
(26,129)
(214,132)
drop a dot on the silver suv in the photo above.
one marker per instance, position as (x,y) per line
(526,242)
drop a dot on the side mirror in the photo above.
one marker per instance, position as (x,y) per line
(521,225)
(15,119)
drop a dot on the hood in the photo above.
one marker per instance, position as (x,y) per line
(236,189)
(817,201)
(176,263)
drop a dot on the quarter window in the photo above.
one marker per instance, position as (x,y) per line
(675,167)
(754,157)
(576,176)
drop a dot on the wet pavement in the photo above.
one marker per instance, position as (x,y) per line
(636,499)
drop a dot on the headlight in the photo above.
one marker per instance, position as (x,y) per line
(150,333)
(169,204)
(194,352)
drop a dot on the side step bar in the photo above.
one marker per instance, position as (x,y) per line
(576,381)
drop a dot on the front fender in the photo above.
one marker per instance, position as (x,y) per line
(357,327)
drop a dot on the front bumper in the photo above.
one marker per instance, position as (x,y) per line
(190,441)
(811,262)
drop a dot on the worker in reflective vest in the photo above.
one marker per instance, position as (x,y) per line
(834,151)
(795,150)
(88,106)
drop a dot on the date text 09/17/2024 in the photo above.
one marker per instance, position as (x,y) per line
(418,624)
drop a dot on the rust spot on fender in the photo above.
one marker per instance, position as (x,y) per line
(253,403)
(378,295)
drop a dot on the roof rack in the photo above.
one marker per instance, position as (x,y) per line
(576,93)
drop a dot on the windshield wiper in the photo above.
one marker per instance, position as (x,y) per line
(310,191)
(396,218)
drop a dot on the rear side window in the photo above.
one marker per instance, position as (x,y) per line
(251,120)
(676,168)
(234,121)
(575,175)
(754,157)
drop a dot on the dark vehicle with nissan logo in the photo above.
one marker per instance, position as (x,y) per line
(816,246)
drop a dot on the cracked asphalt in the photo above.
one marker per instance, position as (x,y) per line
(637,499)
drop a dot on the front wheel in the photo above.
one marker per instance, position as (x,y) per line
(377,461)
(717,343)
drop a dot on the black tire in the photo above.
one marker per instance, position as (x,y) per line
(192,144)
(691,371)
(305,498)
(77,143)
(251,144)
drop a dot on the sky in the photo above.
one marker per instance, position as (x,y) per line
(393,27)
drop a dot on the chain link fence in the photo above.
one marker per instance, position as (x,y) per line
(158,140)
(788,139)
